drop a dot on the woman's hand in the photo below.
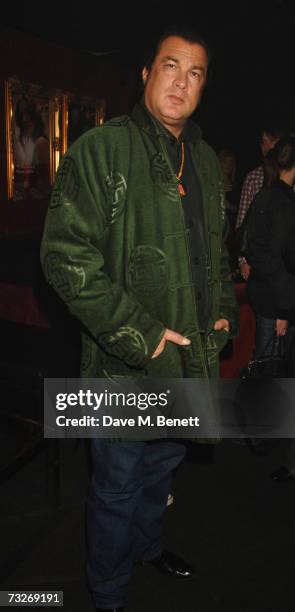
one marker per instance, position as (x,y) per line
(221,324)
(245,270)
(281,327)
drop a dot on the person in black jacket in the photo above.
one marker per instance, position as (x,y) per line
(270,246)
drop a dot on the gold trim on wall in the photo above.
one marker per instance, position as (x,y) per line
(9,145)
(58,131)
(100,112)
(65,119)
(56,128)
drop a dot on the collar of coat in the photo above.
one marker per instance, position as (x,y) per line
(148,123)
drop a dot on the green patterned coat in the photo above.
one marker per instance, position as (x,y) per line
(115,250)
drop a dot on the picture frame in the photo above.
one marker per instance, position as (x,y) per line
(57,130)
(35,138)
(82,114)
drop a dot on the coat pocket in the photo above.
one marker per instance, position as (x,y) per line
(114,368)
(168,364)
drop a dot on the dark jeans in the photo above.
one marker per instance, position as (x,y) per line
(265,329)
(126,505)
(283,345)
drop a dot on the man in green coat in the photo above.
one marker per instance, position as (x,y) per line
(134,244)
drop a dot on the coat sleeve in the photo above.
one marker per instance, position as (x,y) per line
(72,255)
(229,308)
(270,235)
(228,302)
(281,281)
(224,303)
(247,196)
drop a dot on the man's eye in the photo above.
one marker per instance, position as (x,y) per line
(196,75)
(170,65)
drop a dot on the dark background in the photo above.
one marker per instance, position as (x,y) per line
(252,73)
(232,521)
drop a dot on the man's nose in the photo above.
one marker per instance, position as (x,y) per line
(181,80)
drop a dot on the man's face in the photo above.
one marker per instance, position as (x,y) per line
(228,164)
(267,143)
(174,84)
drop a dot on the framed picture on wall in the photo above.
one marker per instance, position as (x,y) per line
(82,115)
(34,139)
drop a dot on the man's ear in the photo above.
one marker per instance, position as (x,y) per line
(144,75)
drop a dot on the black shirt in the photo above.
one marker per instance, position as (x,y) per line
(193,215)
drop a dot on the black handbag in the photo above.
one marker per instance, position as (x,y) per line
(258,399)
(267,365)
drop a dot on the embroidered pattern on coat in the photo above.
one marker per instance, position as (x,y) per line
(67,184)
(147,270)
(65,277)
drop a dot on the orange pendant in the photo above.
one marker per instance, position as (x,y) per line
(181,190)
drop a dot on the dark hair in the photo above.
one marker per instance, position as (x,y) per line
(225,153)
(274,130)
(270,168)
(189,35)
(281,157)
(285,150)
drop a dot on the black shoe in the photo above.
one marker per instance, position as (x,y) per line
(171,565)
(282,474)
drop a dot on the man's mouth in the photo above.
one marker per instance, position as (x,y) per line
(175,99)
